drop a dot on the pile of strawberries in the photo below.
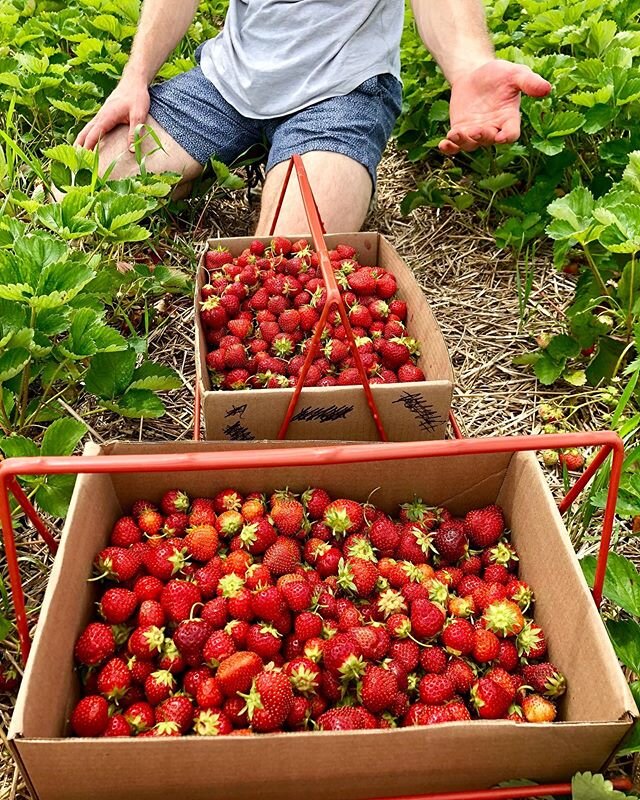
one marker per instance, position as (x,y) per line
(259,311)
(236,614)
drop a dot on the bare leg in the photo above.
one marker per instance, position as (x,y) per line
(341,186)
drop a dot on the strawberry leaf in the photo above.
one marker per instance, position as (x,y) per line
(587,786)
(621,583)
(62,436)
(632,742)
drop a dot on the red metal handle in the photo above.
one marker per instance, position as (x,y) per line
(333,301)
(608,441)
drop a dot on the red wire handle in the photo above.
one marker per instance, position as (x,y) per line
(608,441)
(333,301)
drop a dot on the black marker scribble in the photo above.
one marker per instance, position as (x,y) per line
(238,433)
(422,411)
(236,411)
(329,414)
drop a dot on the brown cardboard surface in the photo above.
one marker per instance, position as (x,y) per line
(409,411)
(364,764)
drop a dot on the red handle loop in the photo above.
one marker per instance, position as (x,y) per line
(333,302)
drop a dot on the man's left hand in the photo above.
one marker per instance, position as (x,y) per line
(485,105)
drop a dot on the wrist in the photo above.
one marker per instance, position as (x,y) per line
(136,75)
(467,65)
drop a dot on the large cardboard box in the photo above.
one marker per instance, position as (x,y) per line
(409,411)
(597,711)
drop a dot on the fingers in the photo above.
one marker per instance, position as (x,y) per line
(530,83)
(448,148)
(468,139)
(509,132)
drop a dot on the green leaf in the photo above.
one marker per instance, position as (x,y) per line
(601,35)
(575,377)
(590,99)
(15,446)
(572,216)
(225,178)
(5,627)
(632,170)
(563,346)
(62,436)
(13,362)
(606,361)
(586,786)
(155,377)
(599,117)
(137,403)
(110,373)
(547,370)
(621,582)
(632,742)
(55,495)
(625,637)
(496,183)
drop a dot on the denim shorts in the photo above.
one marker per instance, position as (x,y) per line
(357,125)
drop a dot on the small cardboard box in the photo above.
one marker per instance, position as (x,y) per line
(597,711)
(409,411)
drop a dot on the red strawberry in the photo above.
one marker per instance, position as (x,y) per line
(288,516)
(269,701)
(484,526)
(504,618)
(177,709)
(175,524)
(386,286)
(344,517)
(125,533)
(459,637)
(218,646)
(433,660)
(178,598)
(213,314)
(362,281)
(236,673)
(460,674)
(90,716)
(173,502)
(190,636)
(117,564)
(379,689)
(150,613)
(304,674)
(451,541)
(158,686)
(342,656)
(545,679)
(145,643)
(297,595)
(357,576)
(216,259)
(308,625)
(282,556)
(150,522)
(281,246)
(573,460)
(201,542)
(393,352)
(486,646)
(140,717)
(114,679)
(264,640)
(384,535)
(435,689)
(117,605)
(490,700)
(346,718)
(427,618)
(95,644)
(117,726)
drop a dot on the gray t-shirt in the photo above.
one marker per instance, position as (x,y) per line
(275,57)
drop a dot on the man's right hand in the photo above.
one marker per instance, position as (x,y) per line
(128,104)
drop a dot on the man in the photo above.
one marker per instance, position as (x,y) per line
(317,77)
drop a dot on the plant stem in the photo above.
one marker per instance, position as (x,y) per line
(596,272)
(630,308)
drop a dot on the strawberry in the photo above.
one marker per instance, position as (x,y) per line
(315,502)
(140,717)
(117,726)
(236,673)
(175,524)
(216,259)
(269,701)
(362,281)
(264,640)
(484,526)
(336,351)
(379,689)
(308,625)
(298,595)
(451,542)
(357,576)
(158,686)
(114,679)
(288,516)
(459,637)
(545,679)
(117,564)
(304,674)
(227,500)
(218,647)
(504,618)
(95,644)
(433,660)
(207,722)
(486,646)
(150,522)
(490,700)
(125,533)
(281,246)
(213,314)
(173,502)
(344,517)
(177,709)
(427,618)
(531,642)
(178,598)
(190,636)
(117,605)
(573,460)
(145,643)
(508,657)
(346,718)
(282,556)
(384,535)
(508,682)
(342,656)
(208,693)
(90,716)
(393,352)
(150,613)
(538,709)
(435,690)
(201,542)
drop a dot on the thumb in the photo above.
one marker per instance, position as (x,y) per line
(530,83)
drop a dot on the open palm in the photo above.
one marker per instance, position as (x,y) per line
(485,105)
